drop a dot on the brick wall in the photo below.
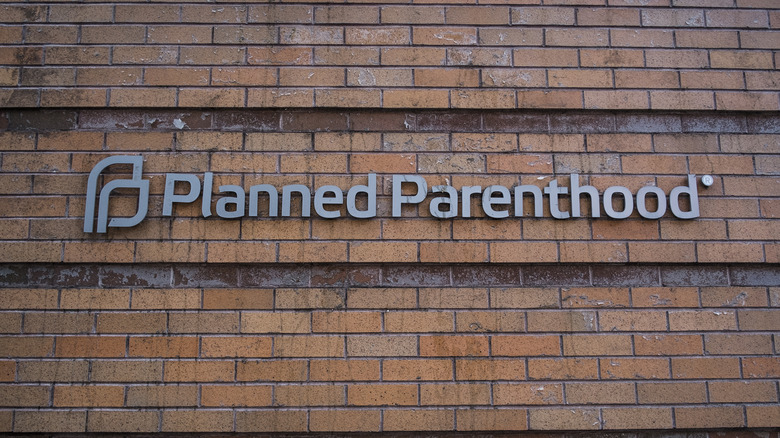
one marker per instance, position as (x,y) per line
(186,324)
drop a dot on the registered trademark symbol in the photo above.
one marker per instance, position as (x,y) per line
(707,180)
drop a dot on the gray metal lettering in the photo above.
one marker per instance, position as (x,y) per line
(398,199)
(451,200)
(135,183)
(370,191)
(320,199)
(238,201)
(273,199)
(628,202)
(693,195)
(305,199)
(641,205)
(170,184)
(488,201)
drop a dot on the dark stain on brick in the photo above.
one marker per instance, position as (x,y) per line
(42,120)
(416,275)
(205,276)
(694,276)
(755,276)
(176,120)
(714,123)
(449,121)
(763,124)
(111,120)
(383,121)
(274,275)
(582,123)
(517,122)
(135,275)
(625,275)
(14,275)
(556,275)
(655,123)
(487,275)
(314,121)
(250,120)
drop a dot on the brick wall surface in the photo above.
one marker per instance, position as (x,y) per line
(391,324)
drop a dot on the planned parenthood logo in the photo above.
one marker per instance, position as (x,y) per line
(330,202)
(102,201)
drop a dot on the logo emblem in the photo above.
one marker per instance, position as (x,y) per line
(135,183)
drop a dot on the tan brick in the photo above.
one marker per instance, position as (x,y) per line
(91,346)
(28,299)
(526,345)
(88,396)
(415,98)
(705,368)
(279,97)
(757,367)
(763,416)
(344,370)
(246,346)
(711,416)
(24,396)
(50,421)
(630,418)
(271,421)
(702,320)
(275,322)
(483,99)
(38,346)
(382,395)
(126,371)
(309,346)
(52,371)
(235,396)
(366,252)
(596,345)
(309,395)
(194,371)
(600,393)
(345,420)
(312,252)
(276,370)
(197,421)
(417,369)
(131,323)
(123,421)
(162,396)
(563,368)
(382,298)
(166,299)
(564,419)
(445,77)
(527,394)
(375,345)
(491,419)
(309,298)
(550,99)
(632,321)
(742,392)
